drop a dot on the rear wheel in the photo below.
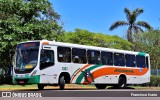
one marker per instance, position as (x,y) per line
(122,83)
(61,83)
(100,86)
(40,86)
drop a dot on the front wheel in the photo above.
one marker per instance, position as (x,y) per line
(61,83)
(40,86)
(100,86)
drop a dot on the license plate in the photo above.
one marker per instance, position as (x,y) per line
(21,82)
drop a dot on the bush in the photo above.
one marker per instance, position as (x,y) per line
(155,81)
(5,76)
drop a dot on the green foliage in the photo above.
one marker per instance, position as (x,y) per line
(79,37)
(155,81)
(149,42)
(28,20)
(85,37)
(22,20)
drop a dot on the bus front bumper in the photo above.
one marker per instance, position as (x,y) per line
(26,80)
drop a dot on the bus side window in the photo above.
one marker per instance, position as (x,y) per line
(93,57)
(64,54)
(140,61)
(79,55)
(130,60)
(46,59)
(119,59)
(107,58)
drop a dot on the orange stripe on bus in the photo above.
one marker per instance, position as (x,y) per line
(117,71)
(80,71)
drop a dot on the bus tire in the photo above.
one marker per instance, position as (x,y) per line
(40,86)
(121,83)
(61,83)
(100,86)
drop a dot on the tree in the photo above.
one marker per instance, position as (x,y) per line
(104,40)
(28,19)
(22,20)
(85,37)
(80,36)
(133,26)
(149,42)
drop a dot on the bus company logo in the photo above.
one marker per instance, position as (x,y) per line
(124,71)
(6,94)
(87,74)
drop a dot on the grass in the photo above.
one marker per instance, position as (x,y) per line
(25,87)
(14,87)
(145,87)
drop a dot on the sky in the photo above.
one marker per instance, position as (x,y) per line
(98,15)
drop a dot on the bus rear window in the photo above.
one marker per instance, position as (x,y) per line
(140,61)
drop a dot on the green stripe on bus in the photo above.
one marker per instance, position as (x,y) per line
(142,53)
(75,72)
(80,77)
(34,79)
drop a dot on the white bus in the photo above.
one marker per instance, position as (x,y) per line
(57,63)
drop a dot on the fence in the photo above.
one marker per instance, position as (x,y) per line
(155,72)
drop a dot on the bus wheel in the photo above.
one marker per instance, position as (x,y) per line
(122,83)
(61,83)
(100,86)
(40,86)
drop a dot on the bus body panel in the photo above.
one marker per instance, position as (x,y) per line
(107,74)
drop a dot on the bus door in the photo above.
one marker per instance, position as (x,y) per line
(47,61)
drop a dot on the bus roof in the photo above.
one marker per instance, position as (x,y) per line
(89,47)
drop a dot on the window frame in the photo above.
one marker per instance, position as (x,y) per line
(144,62)
(127,60)
(118,64)
(41,68)
(70,54)
(83,57)
(107,52)
(89,61)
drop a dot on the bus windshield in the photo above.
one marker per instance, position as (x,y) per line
(27,55)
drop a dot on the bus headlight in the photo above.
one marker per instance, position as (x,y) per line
(34,73)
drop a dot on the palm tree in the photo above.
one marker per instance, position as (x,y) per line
(133,26)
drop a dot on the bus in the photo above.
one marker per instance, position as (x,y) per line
(44,62)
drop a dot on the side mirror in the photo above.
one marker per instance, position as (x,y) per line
(11,54)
